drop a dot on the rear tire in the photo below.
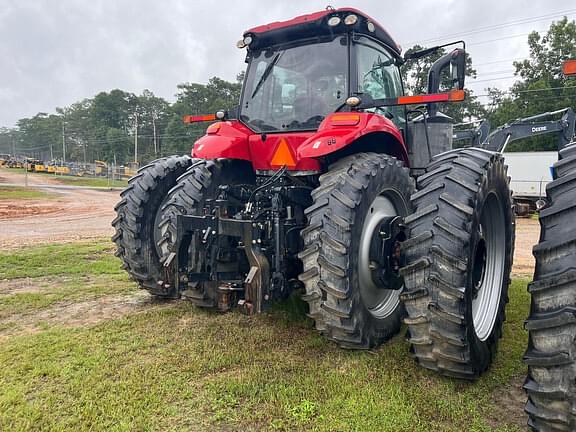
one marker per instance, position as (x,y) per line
(551,353)
(459,257)
(137,220)
(353,195)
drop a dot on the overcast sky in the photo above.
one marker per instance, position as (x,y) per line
(56,52)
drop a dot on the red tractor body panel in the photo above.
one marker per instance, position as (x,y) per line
(339,130)
(301,19)
(233,140)
(228,140)
(263,152)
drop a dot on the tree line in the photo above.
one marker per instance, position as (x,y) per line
(104,127)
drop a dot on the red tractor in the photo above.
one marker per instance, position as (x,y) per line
(322,180)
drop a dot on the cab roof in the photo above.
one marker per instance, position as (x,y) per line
(316,25)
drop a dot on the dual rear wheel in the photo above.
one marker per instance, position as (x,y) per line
(456,233)
(457,241)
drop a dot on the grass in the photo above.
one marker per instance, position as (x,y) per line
(17,192)
(90,181)
(179,368)
(77,181)
(50,291)
(93,258)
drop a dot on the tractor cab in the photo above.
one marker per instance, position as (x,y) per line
(301,71)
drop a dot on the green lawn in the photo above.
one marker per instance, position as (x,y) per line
(90,181)
(17,192)
(76,181)
(179,368)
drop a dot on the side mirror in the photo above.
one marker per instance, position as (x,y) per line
(456,61)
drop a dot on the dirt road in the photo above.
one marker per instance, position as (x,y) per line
(527,235)
(74,214)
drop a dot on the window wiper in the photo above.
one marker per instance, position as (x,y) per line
(379,65)
(266,73)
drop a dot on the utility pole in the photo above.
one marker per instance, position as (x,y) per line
(154,132)
(136,138)
(63,141)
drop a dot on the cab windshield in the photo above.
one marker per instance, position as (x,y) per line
(295,88)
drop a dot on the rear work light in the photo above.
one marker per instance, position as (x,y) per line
(243,43)
(334,21)
(351,19)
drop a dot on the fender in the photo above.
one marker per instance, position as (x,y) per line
(226,139)
(339,130)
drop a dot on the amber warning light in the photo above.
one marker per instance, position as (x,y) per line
(452,96)
(199,118)
(569,68)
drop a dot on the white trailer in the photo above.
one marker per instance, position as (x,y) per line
(529,173)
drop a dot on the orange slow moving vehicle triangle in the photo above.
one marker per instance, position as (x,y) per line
(283,155)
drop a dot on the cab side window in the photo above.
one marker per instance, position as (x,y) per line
(378,75)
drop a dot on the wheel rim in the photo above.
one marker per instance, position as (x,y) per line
(380,302)
(488,267)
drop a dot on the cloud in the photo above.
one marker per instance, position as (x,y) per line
(57,52)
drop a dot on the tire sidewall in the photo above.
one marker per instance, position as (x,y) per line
(152,210)
(394,181)
(494,182)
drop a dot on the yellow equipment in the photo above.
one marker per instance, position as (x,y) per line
(63,170)
(101,168)
(131,169)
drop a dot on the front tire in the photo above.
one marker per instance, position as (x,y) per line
(459,257)
(551,353)
(354,196)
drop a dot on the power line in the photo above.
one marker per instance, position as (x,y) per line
(530,91)
(526,20)
(502,61)
(493,79)
(507,72)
